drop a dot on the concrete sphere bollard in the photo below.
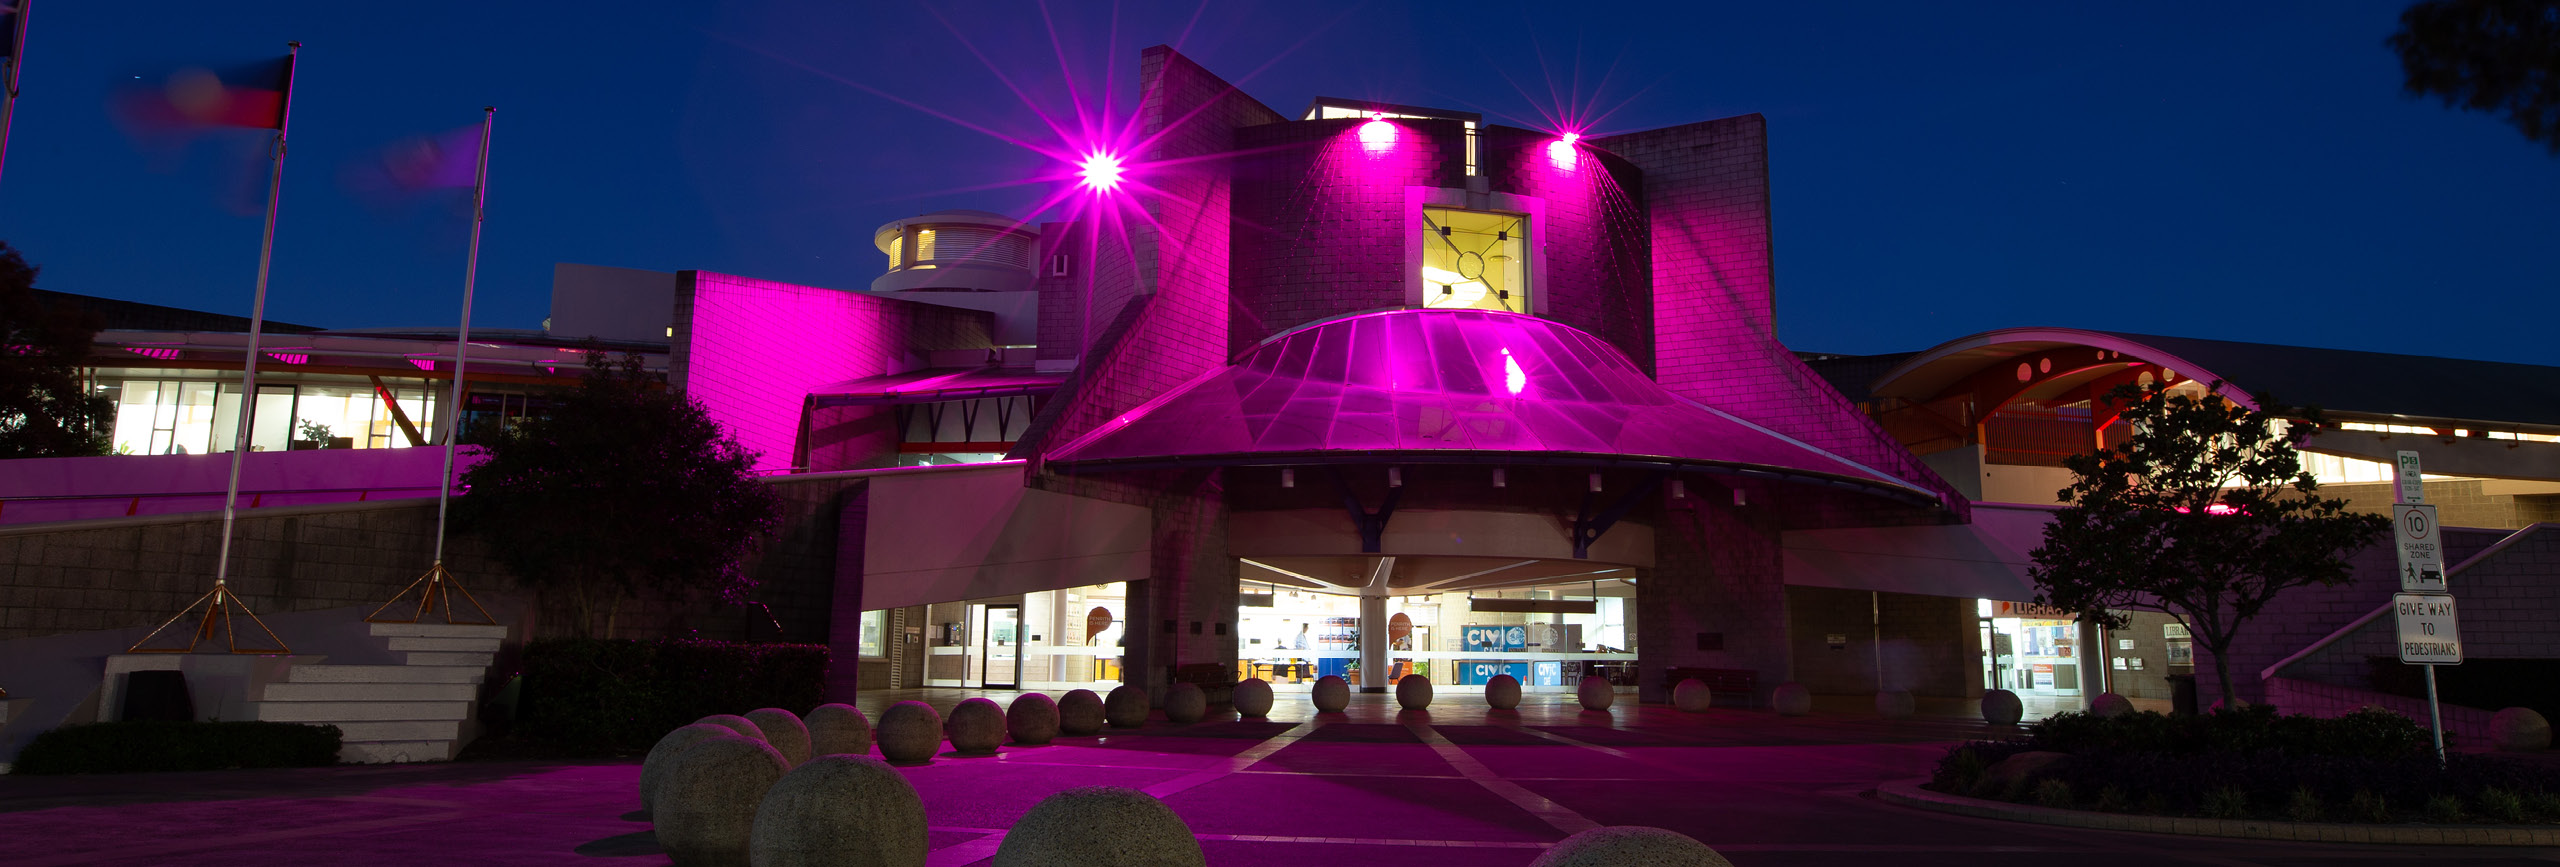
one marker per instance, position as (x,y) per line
(1693,696)
(1126,707)
(839,810)
(909,733)
(1332,694)
(784,730)
(1185,703)
(2519,729)
(1502,692)
(741,725)
(2109,704)
(1100,825)
(1896,704)
(838,729)
(1079,712)
(653,770)
(1413,692)
(1031,719)
(975,727)
(1252,698)
(707,802)
(1791,699)
(1596,693)
(1630,846)
(2001,707)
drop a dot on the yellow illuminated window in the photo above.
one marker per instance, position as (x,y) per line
(924,245)
(1475,260)
(897,247)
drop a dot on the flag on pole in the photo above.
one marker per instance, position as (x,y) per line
(406,169)
(250,96)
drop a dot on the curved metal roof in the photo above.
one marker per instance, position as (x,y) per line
(2415,387)
(1445,386)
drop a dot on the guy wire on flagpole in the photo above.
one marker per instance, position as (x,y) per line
(17,37)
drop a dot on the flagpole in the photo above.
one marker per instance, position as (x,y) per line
(17,61)
(462,340)
(257,329)
(437,585)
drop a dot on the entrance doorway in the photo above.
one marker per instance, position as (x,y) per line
(1000,644)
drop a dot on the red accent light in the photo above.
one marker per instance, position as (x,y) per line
(1101,172)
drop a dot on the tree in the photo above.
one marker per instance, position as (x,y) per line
(2497,56)
(625,487)
(46,411)
(2203,512)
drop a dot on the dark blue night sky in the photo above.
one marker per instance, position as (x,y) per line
(2236,171)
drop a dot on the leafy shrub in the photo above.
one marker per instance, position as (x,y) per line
(2113,799)
(2543,806)
(2370,733)
(2501,805)
(2053,793)
(2444,808)
(610,696)
(2226,803)
(156,745)
(2304,806)
(2368,807)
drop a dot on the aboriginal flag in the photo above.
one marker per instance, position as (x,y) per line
(251,96)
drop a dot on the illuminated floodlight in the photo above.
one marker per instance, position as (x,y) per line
(1100,171)
(1513,377)
(1377,136)
(1562,152)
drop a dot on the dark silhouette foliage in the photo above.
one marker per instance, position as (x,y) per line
(624,487)
(2495,56)
(46,409)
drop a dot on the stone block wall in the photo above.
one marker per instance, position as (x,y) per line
(96,575)
(1320,224)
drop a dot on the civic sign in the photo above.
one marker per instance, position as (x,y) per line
(2413,532)
(2427,632)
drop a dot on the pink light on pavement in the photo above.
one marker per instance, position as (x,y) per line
(1377,136)
(1100,171)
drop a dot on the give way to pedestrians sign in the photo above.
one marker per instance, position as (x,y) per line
(2427,632)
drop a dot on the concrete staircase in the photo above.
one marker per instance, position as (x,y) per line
(423,710)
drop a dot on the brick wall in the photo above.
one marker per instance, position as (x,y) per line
(2304,615)
(750,351)
(2509,601)
(1715,572)
(1706,188)
(1320,221)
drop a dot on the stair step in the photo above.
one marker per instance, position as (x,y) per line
(439,657)
(362,691)
(399,730)
(381,752)
(384,674)
(467,645)
(438,630)
(363,711)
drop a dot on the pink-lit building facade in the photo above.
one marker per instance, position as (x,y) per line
(1366,389)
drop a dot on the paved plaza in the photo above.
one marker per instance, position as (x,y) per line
(1458,785)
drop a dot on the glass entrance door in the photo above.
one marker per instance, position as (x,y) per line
(1003,648)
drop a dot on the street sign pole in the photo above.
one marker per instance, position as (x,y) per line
(2424,608)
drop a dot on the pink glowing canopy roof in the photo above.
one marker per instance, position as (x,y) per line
(1449,385)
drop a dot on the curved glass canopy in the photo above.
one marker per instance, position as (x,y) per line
(1450,385)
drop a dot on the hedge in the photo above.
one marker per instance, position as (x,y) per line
(156,745)
(619,695)
(2367,766)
